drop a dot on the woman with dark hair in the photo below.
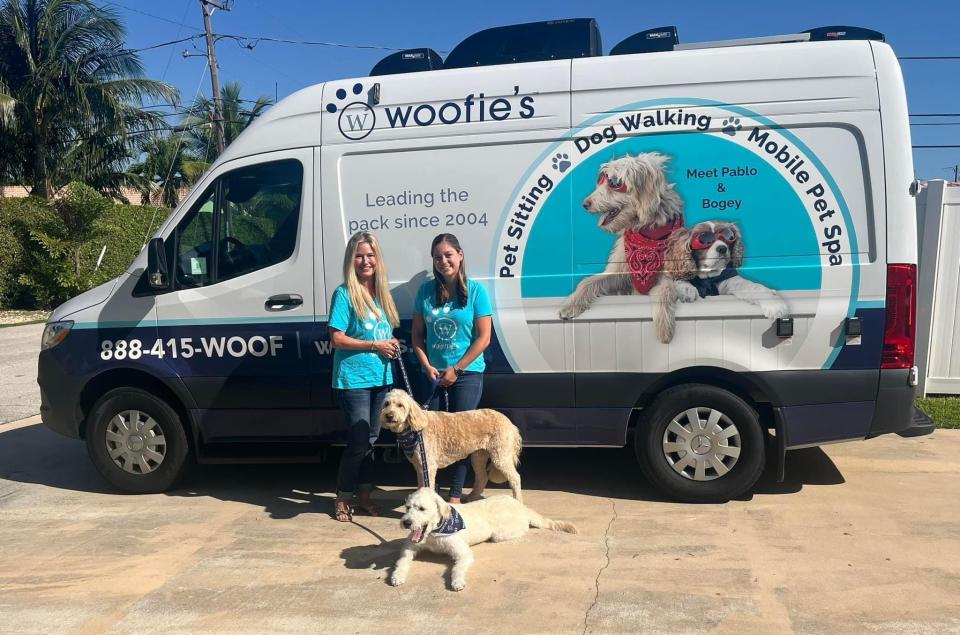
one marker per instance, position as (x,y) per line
(451,329)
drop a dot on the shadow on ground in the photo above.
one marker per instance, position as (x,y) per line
(35,454)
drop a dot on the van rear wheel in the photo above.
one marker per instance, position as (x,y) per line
(701,444)
(136,441)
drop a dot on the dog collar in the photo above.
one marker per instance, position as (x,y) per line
(453,523)
(644,253)
(711,286)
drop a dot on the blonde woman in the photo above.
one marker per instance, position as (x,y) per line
(362,319)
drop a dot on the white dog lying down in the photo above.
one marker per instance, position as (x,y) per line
(490,440)
(440,527)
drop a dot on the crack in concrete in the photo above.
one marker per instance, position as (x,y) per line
(596,582)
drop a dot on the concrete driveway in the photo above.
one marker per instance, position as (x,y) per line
(861,538)
(19,394)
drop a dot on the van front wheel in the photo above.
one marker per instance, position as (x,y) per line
(701,444)
(136,441)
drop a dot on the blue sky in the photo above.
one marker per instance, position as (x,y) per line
(921,27)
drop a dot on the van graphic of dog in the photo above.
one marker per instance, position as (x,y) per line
(633,201)
(704,260)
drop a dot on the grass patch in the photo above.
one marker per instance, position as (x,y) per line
(945,411)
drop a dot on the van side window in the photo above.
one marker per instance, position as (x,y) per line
(245,221)
(259,217)
(194,236)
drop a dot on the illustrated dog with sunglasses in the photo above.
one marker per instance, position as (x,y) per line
(703,261)
(635,202)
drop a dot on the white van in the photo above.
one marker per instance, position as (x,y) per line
(780,167)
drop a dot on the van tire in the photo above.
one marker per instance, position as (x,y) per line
(158,432)
(665,455)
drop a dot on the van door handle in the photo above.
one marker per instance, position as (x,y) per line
(283,302)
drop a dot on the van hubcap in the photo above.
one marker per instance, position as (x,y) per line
(701,444)
(135,442)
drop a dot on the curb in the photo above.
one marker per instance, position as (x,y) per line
(19,423)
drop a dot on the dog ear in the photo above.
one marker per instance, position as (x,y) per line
(416,417)
(736,253)
(443,507)
(646,173)
(678,260)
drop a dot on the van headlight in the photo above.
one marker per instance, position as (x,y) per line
(54,333)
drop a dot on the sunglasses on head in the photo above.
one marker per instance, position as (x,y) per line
(703,240)
(615,183)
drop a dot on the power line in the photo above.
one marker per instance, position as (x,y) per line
(170,43)
(156,17)
(937,146)
(250,41)
(929,57)
(179,30)
(936,114)
(939,123)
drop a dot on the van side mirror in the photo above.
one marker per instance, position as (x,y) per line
(157,273)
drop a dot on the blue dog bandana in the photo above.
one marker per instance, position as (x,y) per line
(451,525)
(711,286)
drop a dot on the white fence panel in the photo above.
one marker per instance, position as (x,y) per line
(938,300)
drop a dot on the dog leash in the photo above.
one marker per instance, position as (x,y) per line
(412,441)
(433,389)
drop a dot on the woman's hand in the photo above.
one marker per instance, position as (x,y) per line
(449,377)
(432,373)
(386,349)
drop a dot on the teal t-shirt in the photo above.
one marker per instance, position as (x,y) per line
(449,328)
(358,369)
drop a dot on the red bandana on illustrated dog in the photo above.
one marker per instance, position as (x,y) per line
(644,251)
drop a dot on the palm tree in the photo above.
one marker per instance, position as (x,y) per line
(238,113)
(73,88)
(166,167)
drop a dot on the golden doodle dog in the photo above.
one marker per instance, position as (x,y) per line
(440,527)
(635,202)
(490,440)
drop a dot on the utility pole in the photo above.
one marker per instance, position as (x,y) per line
(207,6)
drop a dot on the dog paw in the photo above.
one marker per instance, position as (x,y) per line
(731,126)
(570,311)
(458,585)
(774,309)
(561,162)
(687,293)
(395,580)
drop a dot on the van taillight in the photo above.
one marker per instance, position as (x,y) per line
(899,333)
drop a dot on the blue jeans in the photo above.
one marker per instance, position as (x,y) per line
(361,406)
(464,395)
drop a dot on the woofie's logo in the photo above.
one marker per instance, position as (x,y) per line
(357,119)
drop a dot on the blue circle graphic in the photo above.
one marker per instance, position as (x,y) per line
(781,248)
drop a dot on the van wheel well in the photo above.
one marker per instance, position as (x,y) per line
(131,378)
(711,376)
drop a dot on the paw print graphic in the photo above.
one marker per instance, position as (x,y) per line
(342,94)
(561,162)
(731,126)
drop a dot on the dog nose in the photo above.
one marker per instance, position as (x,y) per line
(722,250)
(586,203)
(405,523)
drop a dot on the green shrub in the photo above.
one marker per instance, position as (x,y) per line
(50,249)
